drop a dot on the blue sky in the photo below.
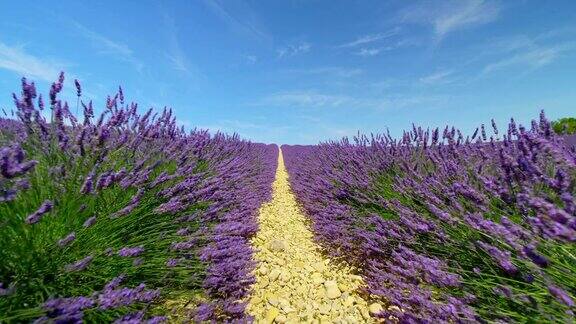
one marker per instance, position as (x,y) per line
(299,71)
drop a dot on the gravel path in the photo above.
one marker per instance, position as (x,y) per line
(295,283)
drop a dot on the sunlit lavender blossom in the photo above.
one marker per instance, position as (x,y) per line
(172,263)
(66,240)
(89,222)
(43,209)
(561,295)
(131,251)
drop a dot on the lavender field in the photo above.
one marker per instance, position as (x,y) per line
(109,217)
(124,217)
(447,228)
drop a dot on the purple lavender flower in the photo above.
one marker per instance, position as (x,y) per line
(131,251)
(42,210)
(535,257)
(561,295)
(115,283)
(171,263)
(134,202)
(78,87)
(80,264)
(89,222)
(132,318)
(66,240)
(69,305)
(40,102)
(12,162)
(138,318)
(68,310)
(22,184)
(501,257)
(494,127)
(88,184)
(117,297)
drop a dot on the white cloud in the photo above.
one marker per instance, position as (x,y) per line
(106,45)
(368,52)
(524,51)
(242,21)
(17,60)
(175,54)
(109,47)
(366,39)
(509,44)
(313,99)
(437,77)
(229,126)
(178,61)
(35,68)
(304,99)
(334,71)
(325,130)
(374,44)
(451,15)
(251,59)
(293,50)
(534,58)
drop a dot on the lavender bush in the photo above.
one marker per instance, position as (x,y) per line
(450,228)
(104,217)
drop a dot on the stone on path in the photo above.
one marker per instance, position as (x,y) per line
(375,308)
(278,246)
(332,290)
(271,314)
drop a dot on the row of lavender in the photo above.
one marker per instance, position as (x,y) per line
(106,219)
(450,228)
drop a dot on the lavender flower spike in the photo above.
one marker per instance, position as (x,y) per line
(65,241)
(44,208)
(131,251)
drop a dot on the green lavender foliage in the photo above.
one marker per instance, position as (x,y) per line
(33,261)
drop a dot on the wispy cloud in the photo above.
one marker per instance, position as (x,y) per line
(293,50)
(374,44)
(178,61)
(331,71)
(533,58)
(528,52)
(367,39)
(326,130)
(240,19)
(368,51)
(398,101)
(108,46)
(251,59)
(451,15)
(304,99)
(228,125)
(16,59)
(105,44)
(36,68)
(314,99)
(437,77)
(174,53)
